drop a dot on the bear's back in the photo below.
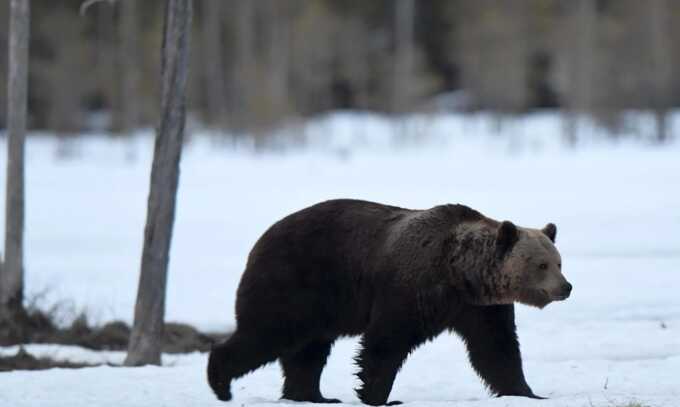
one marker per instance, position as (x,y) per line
(345,235)
(314,262)
(342,227)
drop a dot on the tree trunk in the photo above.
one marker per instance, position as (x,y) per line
(147,331)
(4,33)
(279,57)
(245,66)
(661,47)
(212,11)
(581,66)
(129,65)
(404,55)
(582,103)
(12,274)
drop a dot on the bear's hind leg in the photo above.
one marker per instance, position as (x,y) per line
(302,371)
(238,355)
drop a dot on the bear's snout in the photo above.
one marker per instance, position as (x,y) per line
(565,291)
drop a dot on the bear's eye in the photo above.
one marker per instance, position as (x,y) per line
(543,266)
(559,265)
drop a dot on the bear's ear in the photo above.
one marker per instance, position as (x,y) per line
(507,236)
(550,230)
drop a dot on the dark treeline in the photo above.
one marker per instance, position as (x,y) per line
(256,63)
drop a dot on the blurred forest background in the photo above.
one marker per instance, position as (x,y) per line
(258,64)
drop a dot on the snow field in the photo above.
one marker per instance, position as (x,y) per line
(617,209)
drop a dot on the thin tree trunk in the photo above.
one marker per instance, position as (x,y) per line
(212,11)
(580,66)
(279,56)
(404,55)
(244,80)
(662,65)
(147,331)
(129,64)
(586,20)
(105,61)
(12,273)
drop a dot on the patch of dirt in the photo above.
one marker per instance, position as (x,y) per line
(38,327)
(25,361)
(26,326)
(183,338)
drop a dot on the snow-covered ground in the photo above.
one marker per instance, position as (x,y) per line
(617,208)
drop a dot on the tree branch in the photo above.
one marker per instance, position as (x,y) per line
(87,3)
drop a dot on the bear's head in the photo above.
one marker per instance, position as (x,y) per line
(530,266)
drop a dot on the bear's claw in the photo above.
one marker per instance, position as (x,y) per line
(223,395)
(533,396)
(329,401)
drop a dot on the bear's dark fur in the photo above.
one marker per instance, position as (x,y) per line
(398,277)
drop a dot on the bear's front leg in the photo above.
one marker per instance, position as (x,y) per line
(385,349)
(378,367)
(490,335)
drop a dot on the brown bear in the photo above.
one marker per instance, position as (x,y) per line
(398,277)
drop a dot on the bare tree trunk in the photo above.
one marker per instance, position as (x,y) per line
(105,61)
(66,84)
(4,33)
(129,64)
(147,331)
(279,57)
(662,65)
(12,273)
(244,81)
(404,55)
(579,43)
(212,11)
